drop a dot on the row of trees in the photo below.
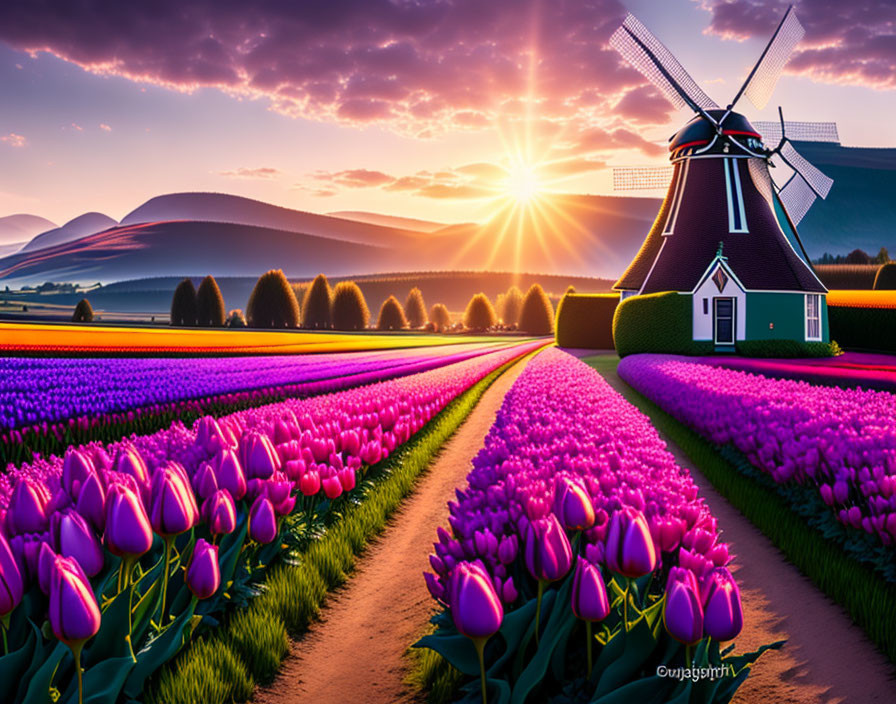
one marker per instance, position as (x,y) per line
(275,303)
(856,256)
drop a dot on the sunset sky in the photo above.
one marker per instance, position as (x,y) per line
(407,108)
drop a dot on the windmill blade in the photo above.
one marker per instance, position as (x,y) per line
(762,179)
(816,180)
(641,178)
(761,82)
(798,131)
(797,198)
(648,54)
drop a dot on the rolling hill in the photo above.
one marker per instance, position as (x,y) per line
(17,230)
(81,226)
(389,220)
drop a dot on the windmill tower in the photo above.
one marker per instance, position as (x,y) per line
(726,234)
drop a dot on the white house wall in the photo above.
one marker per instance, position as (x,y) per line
(708,289)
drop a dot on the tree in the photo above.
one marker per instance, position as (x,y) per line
(391,315)
(513,304)
(83,312)
(537,314)
(415,309)
(316,305)
(183,304)
(480,315)
(210,304)
(439,317)
(350,310)
(236,319)
(883,256)
(300,290)
(858,256)
(272,303)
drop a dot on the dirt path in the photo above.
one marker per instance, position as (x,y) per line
(355,653)
(827,658)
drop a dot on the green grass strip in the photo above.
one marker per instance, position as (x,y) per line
(247,649)
(868,599)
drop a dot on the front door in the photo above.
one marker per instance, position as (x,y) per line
(723,321)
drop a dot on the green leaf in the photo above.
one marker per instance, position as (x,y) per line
(110,641)
(14,665)
(39,686)
(638,645)
(157,652)
(102,682)
(455,648)
(648,690)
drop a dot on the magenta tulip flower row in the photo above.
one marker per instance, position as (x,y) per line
(566,455)
(58,514)
(48,390)
(841,440)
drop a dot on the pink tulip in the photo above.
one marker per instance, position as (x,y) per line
(12,586)
(309,484)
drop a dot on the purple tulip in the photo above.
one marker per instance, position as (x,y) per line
(258,455)
(230,474)
(572,505)
(205,483)
(45,560)
(548,552)
(723,616)
(92,502)
(74,613)
(219,512)
(683,612)
(128,531)
(589,592)
(12,587)
(278,487)
(173,505)
(76,468)
(262,521)
(475,606)
(27,508)
(203,573)
(72,537)
(128,461)
(630,549)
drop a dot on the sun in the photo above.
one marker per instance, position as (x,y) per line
(522,183)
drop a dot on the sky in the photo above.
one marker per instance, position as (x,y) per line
(435,110)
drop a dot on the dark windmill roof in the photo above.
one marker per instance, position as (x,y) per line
(761,259)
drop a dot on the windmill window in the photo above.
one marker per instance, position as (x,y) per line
(737,218)
(676,199)
(813,316)
(705,306)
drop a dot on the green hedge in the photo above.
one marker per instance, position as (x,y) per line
(657,322)
(787,348)
(586,320)
(863,328)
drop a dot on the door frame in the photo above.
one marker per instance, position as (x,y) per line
(715,317)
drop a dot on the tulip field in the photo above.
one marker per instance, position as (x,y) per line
(114,555)
(47,404)
(579,557)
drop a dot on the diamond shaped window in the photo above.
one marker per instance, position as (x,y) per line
(720,278)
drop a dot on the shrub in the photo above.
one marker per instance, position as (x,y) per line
(391,315)
(863,328)
(210,303)
(273,303)
(440,317)
(787,348)
(858,256)
(586,320)
(480,315)
(512,306)
(184,309)
(83,312)
(537,314)
(886,277)
(415,309)
(300,290)
(350,310)
(236,319)
(316,304)
(657,322)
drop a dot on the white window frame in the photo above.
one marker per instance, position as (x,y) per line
(669,227)
(816,318)
(735,196)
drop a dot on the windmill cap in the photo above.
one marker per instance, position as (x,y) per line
(698,133)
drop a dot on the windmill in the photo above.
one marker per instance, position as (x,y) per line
(721,198)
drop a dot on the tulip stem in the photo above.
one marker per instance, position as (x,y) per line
(130,584)
(76,651)
(480,651)
(164,595)
(538,610)
(4,626)
(588,639)
(628,585)
(688,655)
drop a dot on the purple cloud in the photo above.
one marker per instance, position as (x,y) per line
(265,172)
(846,42)
(419,67)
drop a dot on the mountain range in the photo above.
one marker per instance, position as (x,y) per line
(191,234)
